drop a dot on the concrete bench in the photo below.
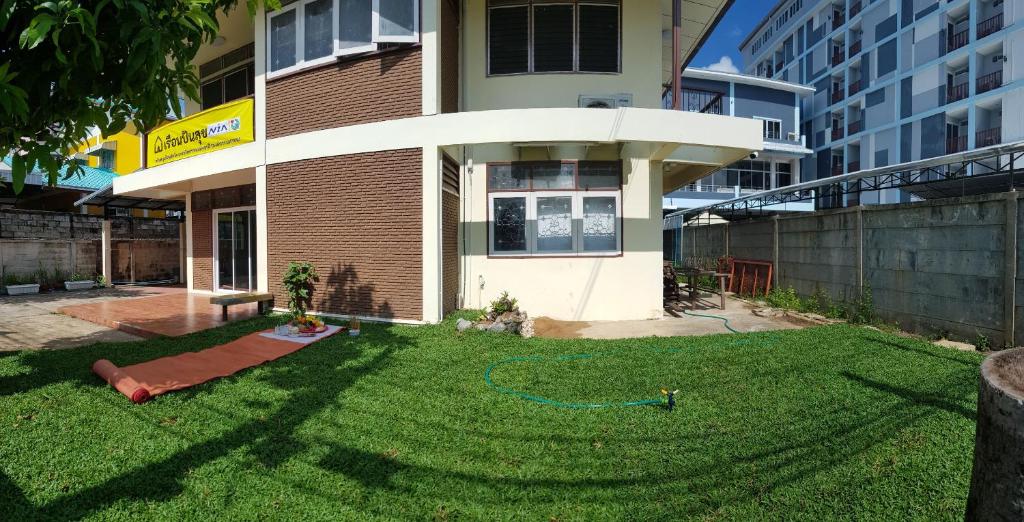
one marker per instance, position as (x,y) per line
(262,300)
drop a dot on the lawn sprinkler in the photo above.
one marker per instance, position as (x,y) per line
(670,396)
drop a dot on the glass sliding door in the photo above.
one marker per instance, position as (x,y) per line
(236,250)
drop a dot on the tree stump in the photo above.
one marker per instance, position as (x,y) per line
(997,483)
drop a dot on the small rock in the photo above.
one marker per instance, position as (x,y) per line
(484,325)
(767,312)
(463,325)
(526,329)
(497,327)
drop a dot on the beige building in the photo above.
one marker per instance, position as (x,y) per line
(427,155)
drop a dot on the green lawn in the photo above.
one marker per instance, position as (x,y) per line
(830,422)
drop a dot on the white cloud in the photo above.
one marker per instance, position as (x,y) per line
(724,64)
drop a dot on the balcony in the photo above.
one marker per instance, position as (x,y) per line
(957,40)
(837,133)
(956,92)
(837,58)
(837,95)
(779,65)
(853,128)
(854,87)
(992,25)
(956,144)
(988,137)
(855,9)
(855,48)
(990,81)
(838,20)
(837,170)
(699,100)
(853,166)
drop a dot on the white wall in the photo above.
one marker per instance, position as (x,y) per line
(610,288)
(641,66)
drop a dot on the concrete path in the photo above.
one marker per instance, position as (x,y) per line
(673,324)
(31,322)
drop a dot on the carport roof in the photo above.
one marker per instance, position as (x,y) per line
(105,197)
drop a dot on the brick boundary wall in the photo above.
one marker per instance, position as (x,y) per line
(950,266)
(379,87)
(359,219)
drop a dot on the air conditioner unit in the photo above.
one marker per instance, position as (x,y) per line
(606,101)
(794,136)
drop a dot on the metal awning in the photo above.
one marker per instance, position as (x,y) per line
(105,197)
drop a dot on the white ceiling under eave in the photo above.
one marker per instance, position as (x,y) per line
(698,18)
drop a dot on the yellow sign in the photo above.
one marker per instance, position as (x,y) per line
(221,127)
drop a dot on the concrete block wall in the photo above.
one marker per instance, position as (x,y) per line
(818,253)
(942,266)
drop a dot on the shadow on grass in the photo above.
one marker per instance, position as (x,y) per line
(312,384)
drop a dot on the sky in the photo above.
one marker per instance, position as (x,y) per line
(720,50)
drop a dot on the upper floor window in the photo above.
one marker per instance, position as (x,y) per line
(227,87)
(310,32)
(772,128)
(106,159)
(533,36)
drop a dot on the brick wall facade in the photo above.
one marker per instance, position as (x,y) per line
(202,249)
(375,88)
(358,219)
(449,252)
(449,56)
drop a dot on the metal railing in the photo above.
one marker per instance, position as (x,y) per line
(837,20)
(837,133)
(855,9)
(837,170)
(853,128)
(837,58)
(699,100)
(853,166)
(837,95)
(855,47)
(990,26)
(854,87)
(956,92)
(990,81)
(957,40)
(988,137)
(956,144)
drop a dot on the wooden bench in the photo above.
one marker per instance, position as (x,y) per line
(262,300)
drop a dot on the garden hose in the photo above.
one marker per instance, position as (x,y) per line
(709,316)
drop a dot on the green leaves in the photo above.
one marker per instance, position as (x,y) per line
(298,282)
(69,68)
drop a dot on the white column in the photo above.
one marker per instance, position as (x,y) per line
(432,286)
(189,272)
(262,262)
(108,272)
(431,64)
(182,257)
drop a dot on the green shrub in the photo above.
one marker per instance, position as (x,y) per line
(504,304)
(863,309)
(784,299)
(298,282)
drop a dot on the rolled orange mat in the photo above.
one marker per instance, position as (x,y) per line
(121,381)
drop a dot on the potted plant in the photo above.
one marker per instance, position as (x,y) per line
(17,285)
(78,282)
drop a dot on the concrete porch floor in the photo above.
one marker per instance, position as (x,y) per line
(672,324)
(169,312)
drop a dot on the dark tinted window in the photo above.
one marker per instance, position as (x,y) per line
(599,38)
(236,85)
(212,94)
(552,38)
(508,39)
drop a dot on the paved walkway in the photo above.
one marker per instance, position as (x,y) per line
(674,323)
(171,312)
(31,322)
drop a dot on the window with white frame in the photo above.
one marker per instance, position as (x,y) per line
(772,128)
(540,36)
(311,32)
(553,208)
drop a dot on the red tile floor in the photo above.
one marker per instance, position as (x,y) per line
(173,312)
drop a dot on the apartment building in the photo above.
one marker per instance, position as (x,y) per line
(775,104)
(427,155)
(895,80)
